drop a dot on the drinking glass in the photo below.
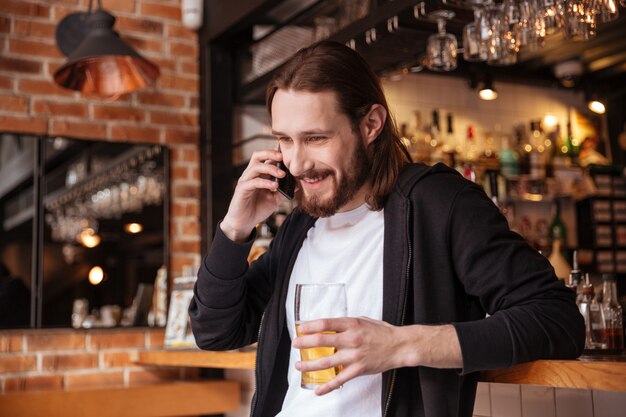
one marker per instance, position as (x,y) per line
(473,46)
(442,47)
(319,301)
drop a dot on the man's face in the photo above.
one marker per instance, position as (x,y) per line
(321,150)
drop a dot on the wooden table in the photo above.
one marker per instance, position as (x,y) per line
(608,375)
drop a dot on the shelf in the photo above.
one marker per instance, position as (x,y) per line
(601,373)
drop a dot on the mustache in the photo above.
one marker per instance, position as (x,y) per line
(315,173)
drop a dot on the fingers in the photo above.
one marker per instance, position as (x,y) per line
(337,382)
(327,325)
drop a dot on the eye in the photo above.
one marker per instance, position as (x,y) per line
(284,139)
(316,138)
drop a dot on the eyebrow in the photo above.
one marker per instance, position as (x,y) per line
(305,133)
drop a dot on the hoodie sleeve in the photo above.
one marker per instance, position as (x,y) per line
(229,296)
(532,314)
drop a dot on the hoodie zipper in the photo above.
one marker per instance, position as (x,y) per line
(257,368)
(403,317)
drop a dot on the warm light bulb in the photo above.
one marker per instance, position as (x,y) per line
(96,275)
(596,107)
(550,120)
(88,238)
(133,228)
(488,94)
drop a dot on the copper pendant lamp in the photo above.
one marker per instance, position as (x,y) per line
(99,62)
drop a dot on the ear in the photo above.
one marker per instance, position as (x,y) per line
(373,123)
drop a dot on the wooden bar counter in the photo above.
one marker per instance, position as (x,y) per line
(598,373)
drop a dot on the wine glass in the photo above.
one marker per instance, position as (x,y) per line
(442,47)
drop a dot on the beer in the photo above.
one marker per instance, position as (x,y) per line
(311,379)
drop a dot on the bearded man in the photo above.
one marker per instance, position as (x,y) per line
(438,287)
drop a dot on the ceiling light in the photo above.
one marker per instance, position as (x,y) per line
(88,238)
(133,228)
(96,275)
(99,61)
(596,106)
(488,92)
(550,121)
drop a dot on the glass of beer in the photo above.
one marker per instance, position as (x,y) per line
(319,301)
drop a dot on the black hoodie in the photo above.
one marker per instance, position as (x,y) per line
(449,257)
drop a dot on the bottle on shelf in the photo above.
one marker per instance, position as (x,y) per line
(449,147)
(420,141)
(436,139)
(471,147)
(557,234)
(558,230)
(594,318)
(612,311)
(509,159)
(536,151)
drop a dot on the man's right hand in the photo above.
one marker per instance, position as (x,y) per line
(255,196)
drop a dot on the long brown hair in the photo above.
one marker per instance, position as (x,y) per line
(332,66)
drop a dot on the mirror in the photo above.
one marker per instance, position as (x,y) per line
(87,238)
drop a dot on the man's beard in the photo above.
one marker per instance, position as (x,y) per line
(351,182)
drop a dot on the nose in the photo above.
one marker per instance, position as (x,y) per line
(297,160)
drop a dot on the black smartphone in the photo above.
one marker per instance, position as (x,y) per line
(286,184)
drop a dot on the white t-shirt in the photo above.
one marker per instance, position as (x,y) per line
(348,248)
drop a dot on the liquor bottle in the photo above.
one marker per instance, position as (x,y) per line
(471,148)
(420,141)
(612,313)
(449,147)
(557,260)
(436,139)
(562,151)
(558,230)
(509,159)
(594,318)
(536,154)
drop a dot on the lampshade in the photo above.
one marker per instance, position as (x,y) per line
(102,63)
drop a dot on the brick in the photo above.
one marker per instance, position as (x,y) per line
(34,48)
(158,98)
(191,136)
(69,361)
(118,113)
(24,124)
(190,67)
(160,10)
(181,49)
(156,338)
(55,108)
(191,228)
(24,8)
(33,383)
(43,87)
(135,133)
(18,363)
(164,64)
(10,343)
(52,66)
(185,246)
(186,191)
(6,83)
(180,173)
(55,341)
(174,118)
(119,5)
(152,376)
(5,24)
(78,129)
(185,209)
(185,155)
(145,45)
(195,174)
(173,82)
(116,340)
(94,379)
(19,65)
(132,24)
(34,29)
(116,359)
(13,103)
(173,30)
(178,262)
(194,102)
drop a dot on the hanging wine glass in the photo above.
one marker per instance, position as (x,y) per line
(442,47)
(607,10)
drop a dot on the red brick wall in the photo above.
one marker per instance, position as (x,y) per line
(167,113)
(59,359)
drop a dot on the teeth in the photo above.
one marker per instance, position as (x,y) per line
(312,180)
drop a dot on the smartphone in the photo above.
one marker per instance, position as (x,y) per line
(286,184)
